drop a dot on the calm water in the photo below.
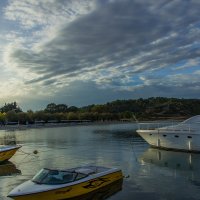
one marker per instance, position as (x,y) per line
(153,174)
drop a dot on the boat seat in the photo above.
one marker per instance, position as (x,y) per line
(68,178)
(54,180)
(86,171)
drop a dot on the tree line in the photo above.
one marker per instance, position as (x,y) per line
(142,109)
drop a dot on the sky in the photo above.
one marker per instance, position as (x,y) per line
(81,52)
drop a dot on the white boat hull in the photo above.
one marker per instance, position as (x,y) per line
(175,140)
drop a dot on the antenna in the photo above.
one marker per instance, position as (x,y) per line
(137,121)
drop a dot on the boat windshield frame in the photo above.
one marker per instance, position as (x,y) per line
(56,177)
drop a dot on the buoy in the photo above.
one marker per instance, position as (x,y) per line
(128,176)
(35,152)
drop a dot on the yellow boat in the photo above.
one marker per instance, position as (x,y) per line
(103,192)
(6,152)
(54,184)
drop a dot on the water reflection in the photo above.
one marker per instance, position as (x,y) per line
(154,174)
(187,164)
(8,168)
(120,134)
(7,138)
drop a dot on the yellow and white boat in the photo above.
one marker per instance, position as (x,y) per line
(103,192)
(54,184)
(6,152)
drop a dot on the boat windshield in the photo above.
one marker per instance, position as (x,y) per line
(54,177)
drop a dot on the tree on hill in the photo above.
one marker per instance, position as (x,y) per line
(72,109)
(53,108)
(2,118)
(9,107)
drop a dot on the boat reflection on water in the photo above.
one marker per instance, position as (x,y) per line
(102,193)
(8,168)
(187,164)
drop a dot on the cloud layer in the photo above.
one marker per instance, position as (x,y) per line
(119,45)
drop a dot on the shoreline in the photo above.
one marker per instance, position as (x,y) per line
(56,125)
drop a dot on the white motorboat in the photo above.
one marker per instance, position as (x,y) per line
(184,136)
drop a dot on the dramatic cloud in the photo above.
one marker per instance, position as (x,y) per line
(31,13)
(119,45)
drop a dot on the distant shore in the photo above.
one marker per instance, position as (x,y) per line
(54,125)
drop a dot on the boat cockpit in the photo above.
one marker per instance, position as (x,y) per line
(55,177)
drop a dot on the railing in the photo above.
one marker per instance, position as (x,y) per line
(169,126)
(154,125)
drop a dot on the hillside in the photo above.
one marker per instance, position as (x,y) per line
(151,108)
(154,108)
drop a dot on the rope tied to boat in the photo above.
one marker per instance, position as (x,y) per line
(127,176)
(34,152)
